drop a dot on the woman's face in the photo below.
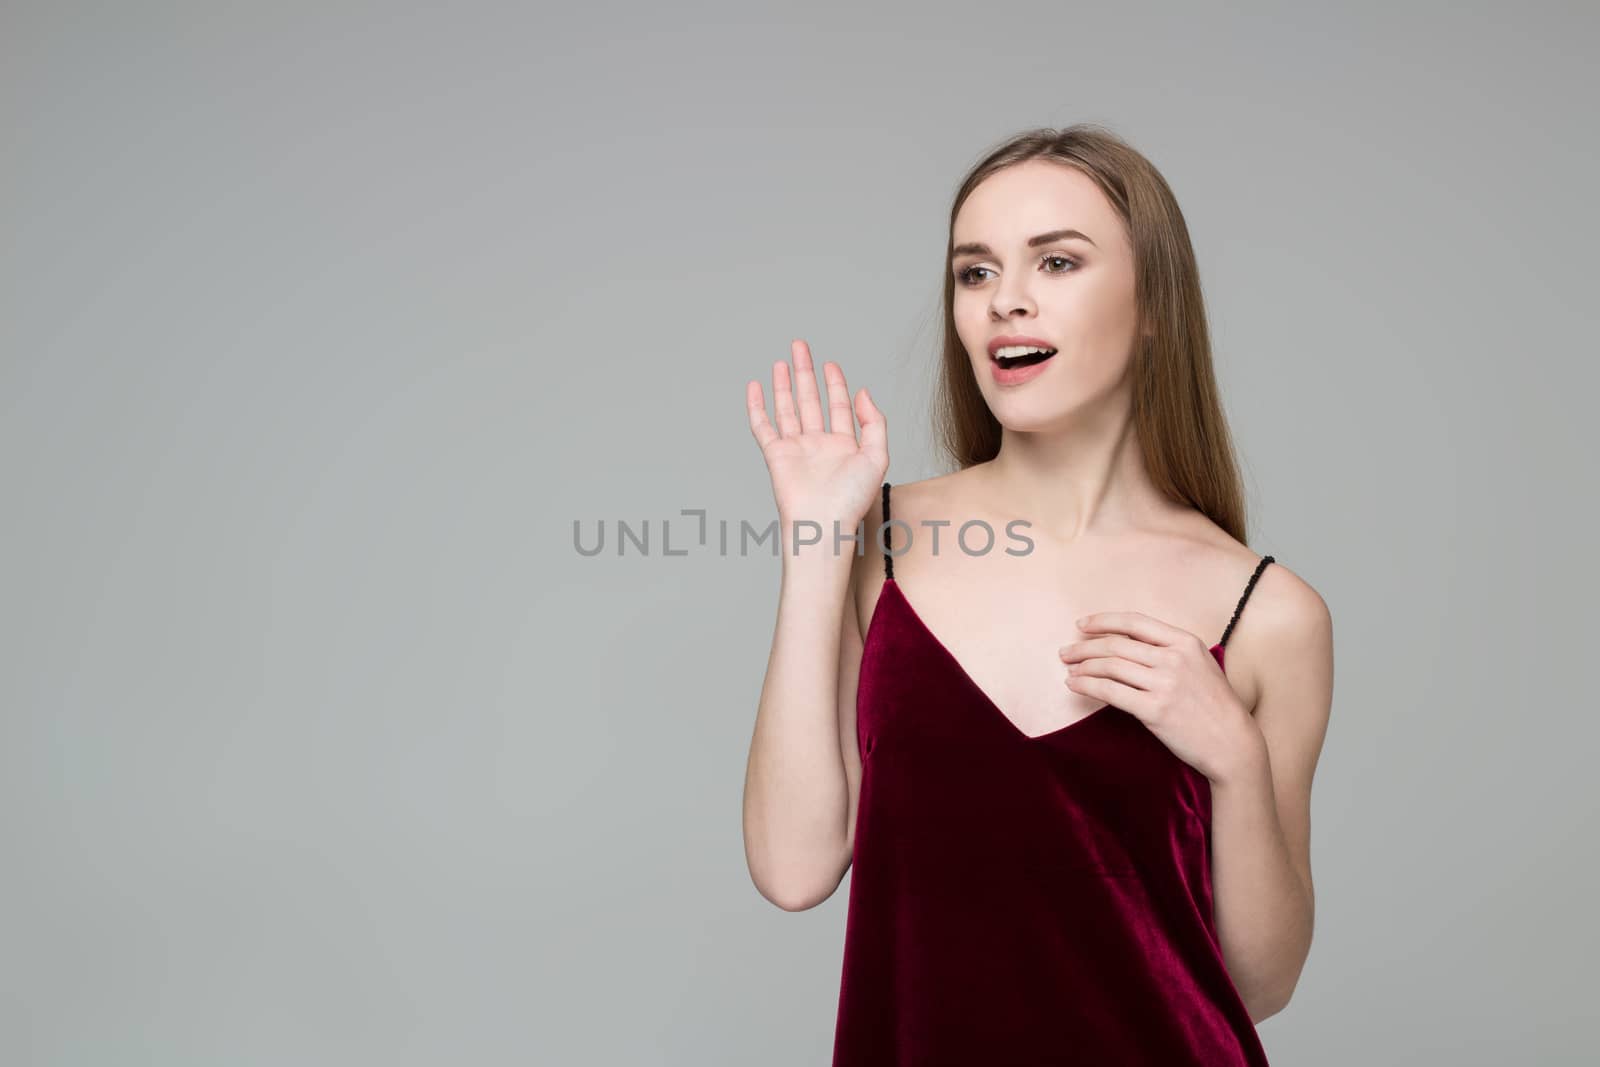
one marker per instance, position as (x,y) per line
(1072,293)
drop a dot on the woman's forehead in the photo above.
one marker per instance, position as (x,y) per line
(1026,200)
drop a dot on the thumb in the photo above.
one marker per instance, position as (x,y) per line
(874,428)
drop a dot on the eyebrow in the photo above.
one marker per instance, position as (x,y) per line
(979,249)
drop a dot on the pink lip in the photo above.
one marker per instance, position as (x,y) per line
(1018,375)
(1003,341)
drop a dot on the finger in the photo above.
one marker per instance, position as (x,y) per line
(759,426)
(783,400)
(1131,674)
(840,418)
(874,429)
(1129,648)
(1108,692)
(806,388)
(1133,623)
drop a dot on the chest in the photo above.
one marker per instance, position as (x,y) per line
(1003,639)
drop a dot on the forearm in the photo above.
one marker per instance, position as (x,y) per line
(1263,905)
(796,794)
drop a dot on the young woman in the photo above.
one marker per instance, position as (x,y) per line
(1079,833)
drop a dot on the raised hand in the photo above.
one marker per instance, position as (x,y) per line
(818,473)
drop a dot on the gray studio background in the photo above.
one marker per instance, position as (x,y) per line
(322,324)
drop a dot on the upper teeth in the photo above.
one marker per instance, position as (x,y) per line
(1013,351)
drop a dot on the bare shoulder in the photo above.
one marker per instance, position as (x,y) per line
(1282,639)
(907,502)
(937,489)
(952,497)
(1287,608)
(928,499)
(1281,602)
(1290,643)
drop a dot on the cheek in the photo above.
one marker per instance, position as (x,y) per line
(972,329)
(1102,310)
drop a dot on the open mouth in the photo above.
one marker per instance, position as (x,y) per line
(1007,362)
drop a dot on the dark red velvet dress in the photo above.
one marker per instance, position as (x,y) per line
(1023,900)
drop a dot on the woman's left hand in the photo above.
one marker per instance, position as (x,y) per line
(1169,680)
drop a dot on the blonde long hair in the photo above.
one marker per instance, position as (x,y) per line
(1177,410)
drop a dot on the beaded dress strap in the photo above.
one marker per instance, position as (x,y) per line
(1246,596)
(888,560)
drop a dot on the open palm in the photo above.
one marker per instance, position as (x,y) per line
(820,474)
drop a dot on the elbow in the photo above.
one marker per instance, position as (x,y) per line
(795,892)
(798,903)
(1263,1008)
(1270,1000)
(790,898)
(798,886)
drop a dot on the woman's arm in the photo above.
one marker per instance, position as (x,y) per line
(1261,809)
(804,769)
(799,786)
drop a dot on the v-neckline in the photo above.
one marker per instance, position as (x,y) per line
(971,683)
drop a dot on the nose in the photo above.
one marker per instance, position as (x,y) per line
(1010,298)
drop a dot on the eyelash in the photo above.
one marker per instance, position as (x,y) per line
(963,276)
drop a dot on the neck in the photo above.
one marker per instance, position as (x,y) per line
(1081,481)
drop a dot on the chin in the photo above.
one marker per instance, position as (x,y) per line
(1032,415)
